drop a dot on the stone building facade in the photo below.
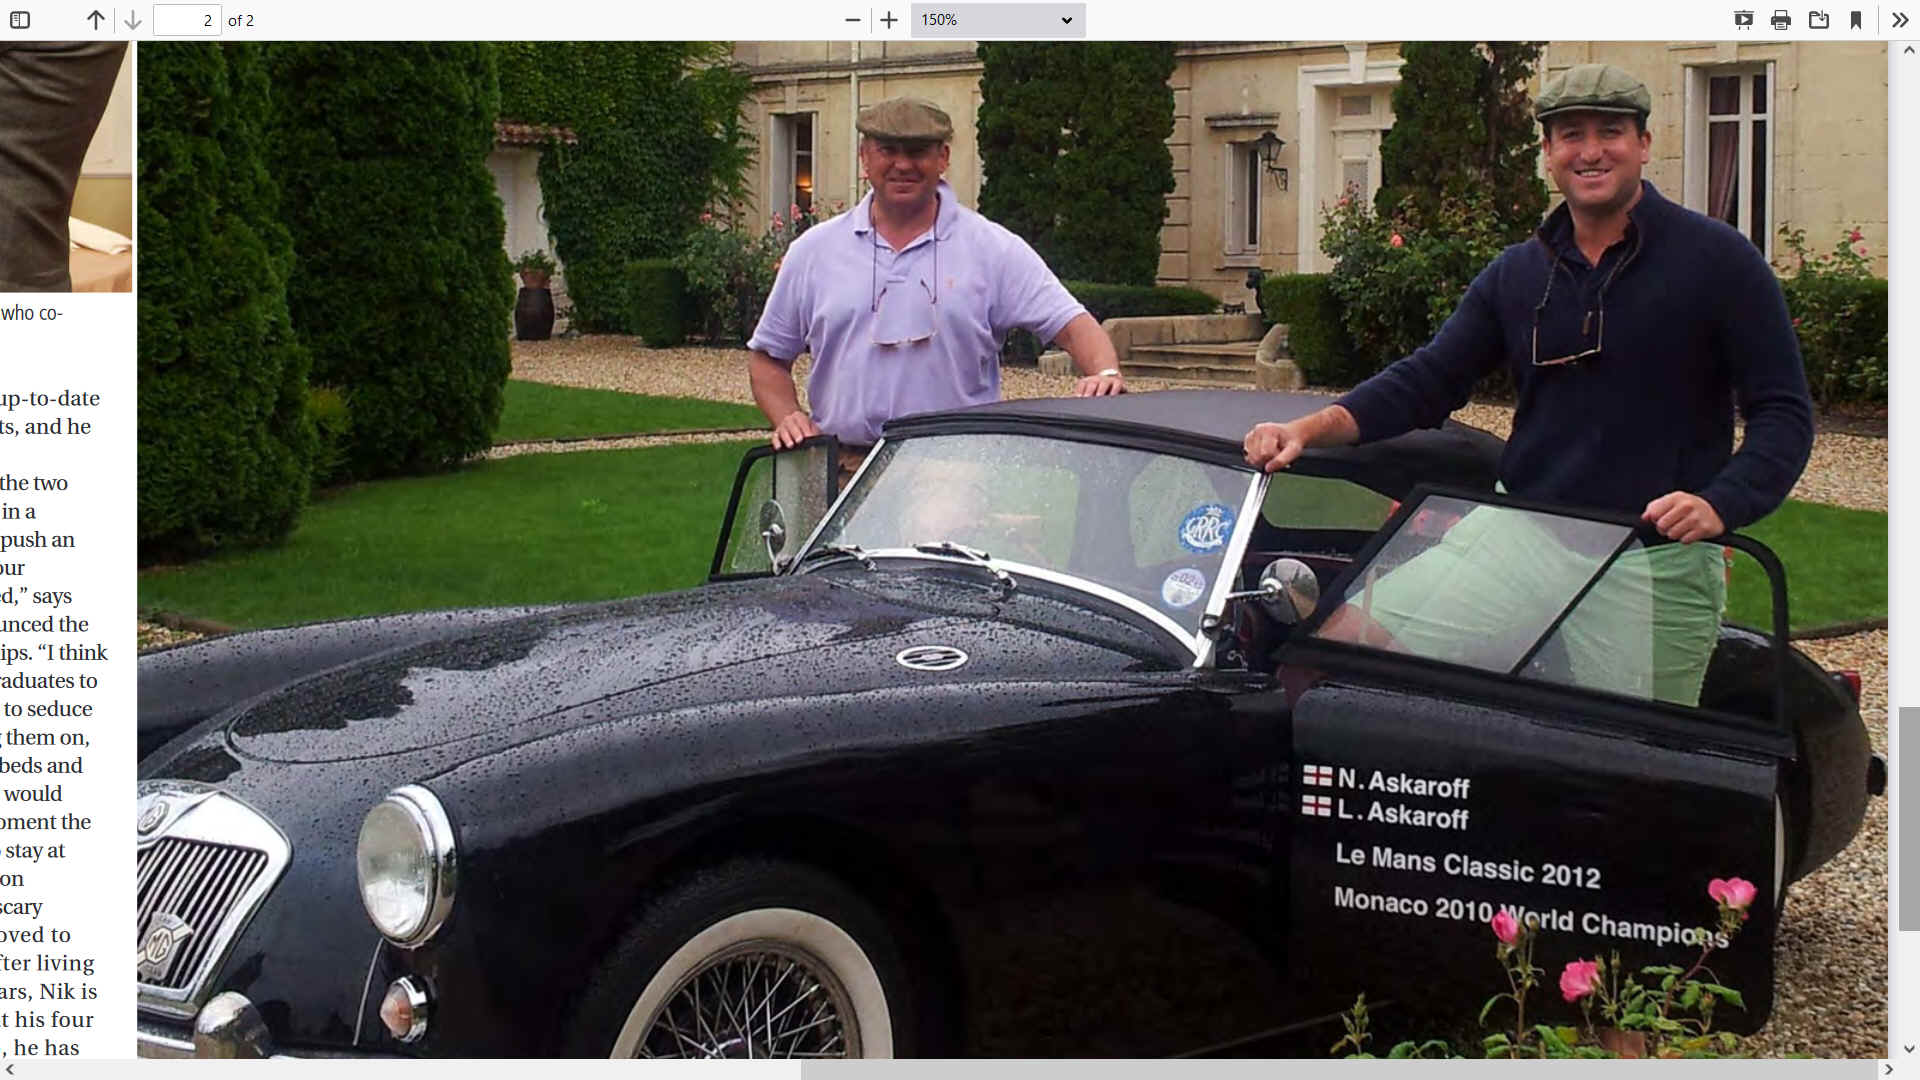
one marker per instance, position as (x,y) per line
(1764,135)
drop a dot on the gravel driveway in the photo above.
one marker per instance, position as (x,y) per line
(1831,970)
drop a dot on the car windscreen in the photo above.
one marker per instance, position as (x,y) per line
(1154,527)
(1540,595)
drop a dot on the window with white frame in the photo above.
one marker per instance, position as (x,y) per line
(791,155)
(1730,148)
(1243,198)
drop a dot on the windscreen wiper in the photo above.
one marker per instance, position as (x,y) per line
(971,554)
(851,551)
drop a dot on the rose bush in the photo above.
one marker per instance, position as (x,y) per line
(1839,311)
(730,270)
(1397,277)
(1660,1010)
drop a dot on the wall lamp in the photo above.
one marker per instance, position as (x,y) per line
(1270,146)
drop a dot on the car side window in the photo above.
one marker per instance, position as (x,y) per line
(1298,501)
(1539,595)
(1646,628)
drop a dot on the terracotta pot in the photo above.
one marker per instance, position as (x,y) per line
(533,314)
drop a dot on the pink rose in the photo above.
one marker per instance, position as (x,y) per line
(1796,322)
(1396,241)
(793,211)
(705,218)
(1735,893)
(1854,236)
(1577,980)
(1862,249)
(778,222)
(1506,927)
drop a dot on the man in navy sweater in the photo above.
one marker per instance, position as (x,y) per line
(1630,326)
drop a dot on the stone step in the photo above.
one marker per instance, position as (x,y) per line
(1231,353)
(1139,367)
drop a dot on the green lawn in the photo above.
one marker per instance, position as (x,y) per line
(540,411)
(1836,561)
(536,528)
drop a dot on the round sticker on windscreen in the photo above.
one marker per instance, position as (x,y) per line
(1183,587)
(1206,528)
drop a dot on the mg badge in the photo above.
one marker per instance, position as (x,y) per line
(164,936)
(152,816)
(930,658)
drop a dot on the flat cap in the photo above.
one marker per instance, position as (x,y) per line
(908,119)
(1593,88)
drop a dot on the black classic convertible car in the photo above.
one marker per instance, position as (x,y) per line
(1036,739)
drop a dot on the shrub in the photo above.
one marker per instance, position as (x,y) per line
(402,289)
(333,429)
(730,271)
(1398,278)
(535,260)
(1839,311)
(1105,302)
(660,303)
(225,444)
(1321,348)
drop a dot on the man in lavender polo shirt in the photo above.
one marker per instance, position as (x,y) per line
(905,301)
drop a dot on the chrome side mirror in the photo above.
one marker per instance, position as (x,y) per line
(1296,586)
(773,529)
(1288,591)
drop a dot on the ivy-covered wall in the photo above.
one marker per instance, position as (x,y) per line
(225,444)
(401,287)
(660,138)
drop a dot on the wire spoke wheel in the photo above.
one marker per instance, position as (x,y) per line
(755,999)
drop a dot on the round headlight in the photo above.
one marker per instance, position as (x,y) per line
(406,865)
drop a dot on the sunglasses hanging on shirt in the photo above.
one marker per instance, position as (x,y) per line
(904,310)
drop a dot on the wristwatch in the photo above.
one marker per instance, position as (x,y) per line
(1103,373)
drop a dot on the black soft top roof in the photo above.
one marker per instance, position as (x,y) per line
(1210,424)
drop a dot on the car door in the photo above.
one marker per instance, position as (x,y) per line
(1446,767)
(779,496)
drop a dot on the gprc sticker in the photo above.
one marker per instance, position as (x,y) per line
(1183,587)
(1206,528)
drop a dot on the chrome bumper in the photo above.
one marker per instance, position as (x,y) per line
(227,1027)
(162,1042)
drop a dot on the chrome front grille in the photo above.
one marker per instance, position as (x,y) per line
(206,862)
(198,884)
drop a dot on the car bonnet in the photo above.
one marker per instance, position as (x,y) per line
(781,637)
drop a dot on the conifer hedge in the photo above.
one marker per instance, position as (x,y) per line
(402,289)
(1073,145)
(225,444)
